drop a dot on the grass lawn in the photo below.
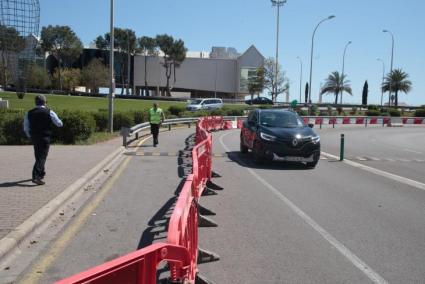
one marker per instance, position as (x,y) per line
(60,102)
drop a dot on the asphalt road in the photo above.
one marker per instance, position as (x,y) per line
(277,223)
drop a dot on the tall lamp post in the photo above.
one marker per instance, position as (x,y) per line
(111,72)
(392,60)
(383,76)
(278,4)
(311,56)
(301,76)
(343,66)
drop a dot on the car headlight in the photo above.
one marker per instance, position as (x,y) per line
(267,137)
(315,139)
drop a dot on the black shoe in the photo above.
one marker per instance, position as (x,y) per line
(38,182)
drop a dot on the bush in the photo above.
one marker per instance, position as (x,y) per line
(176,110)
(234,112)
(77,126)
(101,119)
(339,109)
(394,112)
(353,111)
(420,112)
(302,112)
(373,112)
(11,130)
(373,107)
(123,119)
(218,112)
(313,110)
(139,117)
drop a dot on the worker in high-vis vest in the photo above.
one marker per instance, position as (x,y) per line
(156,117)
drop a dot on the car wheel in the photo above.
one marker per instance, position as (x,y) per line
(243,148)
(313,164)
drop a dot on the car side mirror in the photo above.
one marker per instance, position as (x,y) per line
(311,125)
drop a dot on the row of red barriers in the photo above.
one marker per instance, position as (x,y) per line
(181,249)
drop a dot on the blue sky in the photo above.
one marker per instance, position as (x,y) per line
(240,23)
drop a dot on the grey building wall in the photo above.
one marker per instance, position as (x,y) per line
(202,74)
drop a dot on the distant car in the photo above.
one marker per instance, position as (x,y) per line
(259,101)
(204,104)
(279,135)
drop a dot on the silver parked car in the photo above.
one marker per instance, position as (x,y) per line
(204,104)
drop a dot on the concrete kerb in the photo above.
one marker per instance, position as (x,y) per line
(14,238)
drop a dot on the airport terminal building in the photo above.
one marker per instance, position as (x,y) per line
(223,73)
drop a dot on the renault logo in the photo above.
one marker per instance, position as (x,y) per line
(295,142)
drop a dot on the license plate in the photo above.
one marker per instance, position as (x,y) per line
(293,159)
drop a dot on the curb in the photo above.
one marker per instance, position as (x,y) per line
(14,238)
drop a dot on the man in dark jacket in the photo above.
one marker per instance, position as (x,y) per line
(38,125)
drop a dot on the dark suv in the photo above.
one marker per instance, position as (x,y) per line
(279,135)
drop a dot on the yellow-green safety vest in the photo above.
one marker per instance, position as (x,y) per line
(155,116)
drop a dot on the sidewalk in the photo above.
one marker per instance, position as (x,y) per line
(20,198)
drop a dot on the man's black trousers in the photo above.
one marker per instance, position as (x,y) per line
(41,150)
(155,132)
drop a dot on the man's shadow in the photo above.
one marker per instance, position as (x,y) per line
(158,224)
(19,183)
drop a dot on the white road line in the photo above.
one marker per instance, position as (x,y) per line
(403,160)
(374,159)
(356,261)
(389,160)
(412,151)
(361,159)
(419,160)
(391,176)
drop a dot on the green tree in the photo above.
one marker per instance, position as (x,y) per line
(11,43)
(63,44)
(174,54)
(38,77)
(148,47)
(336,83)
(256,83)
(125,42)
(270,82)
(365,93)
(396,81)
(70,78)
(95,75)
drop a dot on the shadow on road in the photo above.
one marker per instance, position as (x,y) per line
(247,161)
(158,224)
(19,183)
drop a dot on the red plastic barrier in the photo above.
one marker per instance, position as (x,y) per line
(373,120)
(405,120)
(138,267)
(183,231)
(332,120)
(240,123)
(360,120)
(418,120)
(346,120)
(386,120)
(306,120)
(318,120)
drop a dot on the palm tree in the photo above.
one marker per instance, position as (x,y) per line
(335,84)
(396,81)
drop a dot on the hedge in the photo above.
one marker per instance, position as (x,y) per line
(373,112)
(420,112)
(77,126)
(394,112)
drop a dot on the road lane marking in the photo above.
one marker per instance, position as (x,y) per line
(361,159)
(388,175)
(40,267)
(374,159)
(412,151)
(355,260)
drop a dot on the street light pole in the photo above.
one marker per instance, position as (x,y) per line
(111,72)
(311,55)
(301,76)
(277,3)
(392,60)
(383,76)
(343,66)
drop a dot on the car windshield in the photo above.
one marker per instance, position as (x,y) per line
(280,119)
(195,102)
